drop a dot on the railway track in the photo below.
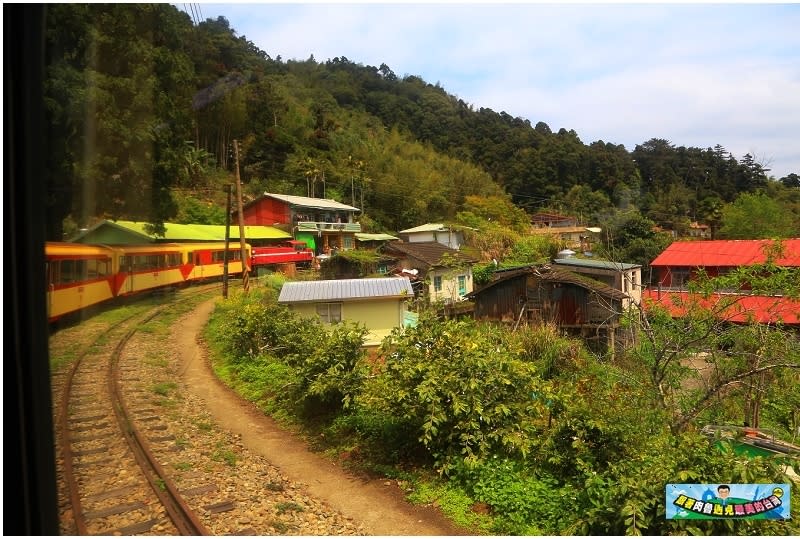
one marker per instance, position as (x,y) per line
(136,455)
(115,483)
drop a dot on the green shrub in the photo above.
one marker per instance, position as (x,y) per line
(465,390)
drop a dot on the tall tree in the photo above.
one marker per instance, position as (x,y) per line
(127,126)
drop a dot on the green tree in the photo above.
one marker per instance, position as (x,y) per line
(114,99)
(631,238)
(463,389)
(498,210)
(675,349)
(755,216)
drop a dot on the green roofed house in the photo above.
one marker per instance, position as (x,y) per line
(627,278)
(132,232)
(379,304)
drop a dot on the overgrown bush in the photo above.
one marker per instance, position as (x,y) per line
(525,424)
(464,388)
(320,367)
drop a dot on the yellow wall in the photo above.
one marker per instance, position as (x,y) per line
(379,316)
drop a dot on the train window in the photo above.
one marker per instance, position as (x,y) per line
(219,256)
(173,259)
(72,271)
(96,268)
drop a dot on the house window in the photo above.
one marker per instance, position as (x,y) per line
(383,269)
(680,276)
(330,313)
(462,285)
(437,283)
(347,242)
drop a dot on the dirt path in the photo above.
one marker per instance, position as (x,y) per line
(378,504)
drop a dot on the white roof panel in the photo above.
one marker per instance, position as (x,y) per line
(308,202)
(345,289)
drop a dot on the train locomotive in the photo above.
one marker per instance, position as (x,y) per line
(80,276)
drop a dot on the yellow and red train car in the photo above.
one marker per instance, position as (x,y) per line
(82,275)
(78,276)
(148,267)
(207,260)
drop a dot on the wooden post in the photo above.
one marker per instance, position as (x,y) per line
(245,262)
(227,240)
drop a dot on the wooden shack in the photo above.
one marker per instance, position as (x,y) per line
(576,304)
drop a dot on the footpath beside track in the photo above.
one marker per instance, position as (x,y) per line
(378,505)
(238,471)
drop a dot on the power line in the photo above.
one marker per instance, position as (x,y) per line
(189,12)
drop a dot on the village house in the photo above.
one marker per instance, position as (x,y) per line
(447,235)
(576,304)
(379,304)
(626,278)
(682,261)
(566,230)
(445,274)
(699,230)
(323,224)
(549,220)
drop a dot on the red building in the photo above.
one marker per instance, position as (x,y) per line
(681,261)
(323,224)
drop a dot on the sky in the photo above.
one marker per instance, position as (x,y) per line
(696,75)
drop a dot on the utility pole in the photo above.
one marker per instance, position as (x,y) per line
(245,262)
(227,241)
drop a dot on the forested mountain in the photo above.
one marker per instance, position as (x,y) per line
(143,107)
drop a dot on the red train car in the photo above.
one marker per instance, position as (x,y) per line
(291,251)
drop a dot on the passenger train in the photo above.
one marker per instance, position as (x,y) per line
(82,275)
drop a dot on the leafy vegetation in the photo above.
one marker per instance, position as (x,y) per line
(515,432)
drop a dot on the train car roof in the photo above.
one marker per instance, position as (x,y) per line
(133,232)
(55,248)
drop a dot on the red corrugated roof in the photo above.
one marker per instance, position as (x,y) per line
(745,309)
(720,253)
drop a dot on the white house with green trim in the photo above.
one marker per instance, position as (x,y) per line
(445,273)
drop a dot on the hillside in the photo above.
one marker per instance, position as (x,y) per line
(144,107)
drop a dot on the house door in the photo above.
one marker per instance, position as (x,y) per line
(568,309)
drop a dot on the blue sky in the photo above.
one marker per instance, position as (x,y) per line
(694,74)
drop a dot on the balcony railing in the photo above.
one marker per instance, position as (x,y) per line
(317,226)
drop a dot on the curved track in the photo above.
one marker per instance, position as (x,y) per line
(128,386)
(115,483)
